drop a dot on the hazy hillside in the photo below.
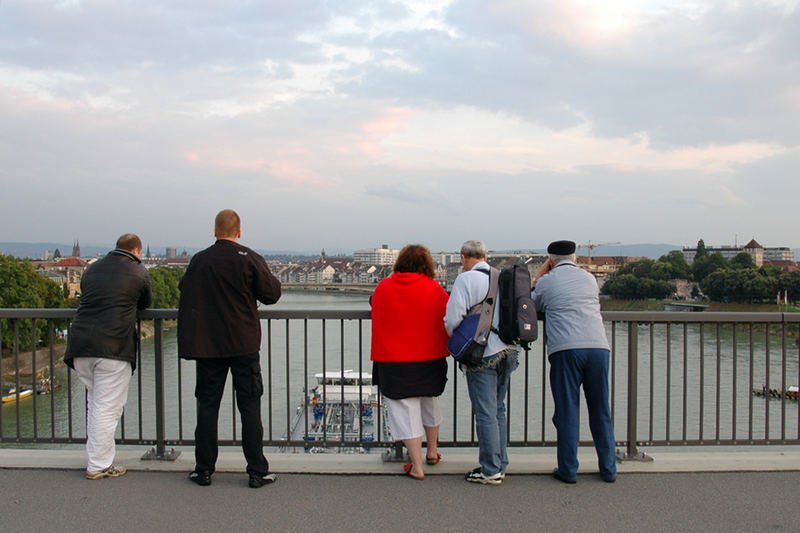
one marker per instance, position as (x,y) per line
(36,250)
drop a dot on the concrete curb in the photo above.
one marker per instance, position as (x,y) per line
(453,461)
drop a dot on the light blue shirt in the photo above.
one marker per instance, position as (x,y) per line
(570,300)
(469,289)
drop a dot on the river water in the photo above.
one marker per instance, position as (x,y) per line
(294,350)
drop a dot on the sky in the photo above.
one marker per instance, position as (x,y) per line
(346,124)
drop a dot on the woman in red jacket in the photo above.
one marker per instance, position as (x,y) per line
(409,353)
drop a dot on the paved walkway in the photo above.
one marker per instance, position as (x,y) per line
(456,461)
(737,490)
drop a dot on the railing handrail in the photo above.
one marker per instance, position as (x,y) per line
(705,316)
(172,314)
(364,314)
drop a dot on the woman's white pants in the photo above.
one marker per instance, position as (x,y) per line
(409,417)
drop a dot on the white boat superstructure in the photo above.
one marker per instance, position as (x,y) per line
(343,406)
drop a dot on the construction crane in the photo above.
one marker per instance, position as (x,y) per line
(591,246)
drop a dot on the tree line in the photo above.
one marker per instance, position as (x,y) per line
(718,279)
(21,286)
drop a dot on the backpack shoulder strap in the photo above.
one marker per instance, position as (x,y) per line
(486,307)
(491,293)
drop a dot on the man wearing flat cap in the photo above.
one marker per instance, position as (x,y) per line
(579,355)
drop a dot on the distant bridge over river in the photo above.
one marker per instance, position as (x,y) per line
(364,288)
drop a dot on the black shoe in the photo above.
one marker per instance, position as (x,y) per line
(257,481)
(609,479)
(201,478)
(557,476)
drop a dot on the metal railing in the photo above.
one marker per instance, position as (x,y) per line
(679,378)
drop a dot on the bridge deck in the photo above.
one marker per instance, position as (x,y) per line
(455,461)
(645,496)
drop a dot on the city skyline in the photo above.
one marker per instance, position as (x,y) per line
(649,250)
(339,124)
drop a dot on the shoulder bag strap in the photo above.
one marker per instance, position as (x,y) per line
(487,307)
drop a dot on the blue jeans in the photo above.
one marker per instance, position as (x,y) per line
(568,370)
(487,391)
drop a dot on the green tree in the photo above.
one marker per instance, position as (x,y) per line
(164,281)
(639,269)
(770,271)
(715,286)
(679,268)
(704,266)
(622,286)
(656,288)
(755,287)
(701,250)
(57,254)
(742,260)
(629,287)
(789,282)
(661,271)
(22,287)
(740,285)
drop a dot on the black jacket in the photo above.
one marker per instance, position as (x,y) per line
(217,314)
(112,290)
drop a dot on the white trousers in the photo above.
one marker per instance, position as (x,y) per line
(409,417)
(106,383)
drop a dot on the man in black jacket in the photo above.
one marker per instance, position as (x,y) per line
(218,326)
(101,346)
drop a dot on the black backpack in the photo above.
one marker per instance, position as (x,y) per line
(517,323)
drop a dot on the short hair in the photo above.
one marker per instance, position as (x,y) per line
(414,258)
(556,258)
(129,242)
(474,249)
(227,224)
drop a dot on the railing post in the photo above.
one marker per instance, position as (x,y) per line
(632,453)
(160,451)
(398,456)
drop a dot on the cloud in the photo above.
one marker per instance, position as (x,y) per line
(474,139)
(347,124)
(396,193)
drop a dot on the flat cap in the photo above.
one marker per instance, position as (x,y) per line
(561,248)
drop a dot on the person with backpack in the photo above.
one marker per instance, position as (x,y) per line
(579,355)
(487,381)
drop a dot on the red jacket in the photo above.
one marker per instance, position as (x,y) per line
(408,319)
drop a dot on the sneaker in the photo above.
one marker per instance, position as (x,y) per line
(477,476)
(111,471)
(257,481)
(201,478)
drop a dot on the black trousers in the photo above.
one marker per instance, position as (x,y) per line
(247,383)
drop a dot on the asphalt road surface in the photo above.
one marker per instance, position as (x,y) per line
(62,500)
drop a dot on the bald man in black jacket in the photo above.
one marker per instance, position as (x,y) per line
(218,326)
